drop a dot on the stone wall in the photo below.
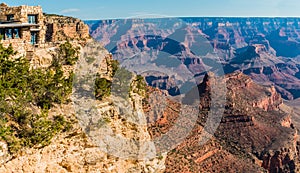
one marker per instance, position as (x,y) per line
(52,29)
(21,15)
(21,45)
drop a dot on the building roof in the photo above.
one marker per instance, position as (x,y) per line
(17,25)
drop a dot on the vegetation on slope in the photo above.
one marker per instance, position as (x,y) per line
(122,83)
(26,95)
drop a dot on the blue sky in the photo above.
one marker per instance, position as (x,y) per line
(108,9)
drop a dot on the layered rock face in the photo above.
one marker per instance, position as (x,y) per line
(264,48)
(255,134)
(265,68)
(61,28)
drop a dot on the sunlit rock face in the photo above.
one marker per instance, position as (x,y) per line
(255,134)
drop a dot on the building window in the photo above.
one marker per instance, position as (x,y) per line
(8,33)
(10,17)
(16,33)
(32,19)
(33,40)
(49,32)
(77,27)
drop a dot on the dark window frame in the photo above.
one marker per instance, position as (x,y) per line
(15,33)
(9,33)
(10,17)
(34,16)
(36,35)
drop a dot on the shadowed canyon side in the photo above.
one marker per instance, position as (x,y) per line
(267,49)
(256,133)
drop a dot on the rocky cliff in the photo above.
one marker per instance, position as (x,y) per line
(61,28)
(74,150)
(78,150)
(255,134)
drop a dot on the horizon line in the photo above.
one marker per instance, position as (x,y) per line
(124,18)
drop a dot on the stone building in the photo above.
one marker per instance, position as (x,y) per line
(27,28)
(22,26)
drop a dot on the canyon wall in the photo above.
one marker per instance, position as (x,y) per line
(267,49)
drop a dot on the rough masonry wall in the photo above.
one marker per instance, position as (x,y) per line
(21,45)
(21,15)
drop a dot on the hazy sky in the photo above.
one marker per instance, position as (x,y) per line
(107,9)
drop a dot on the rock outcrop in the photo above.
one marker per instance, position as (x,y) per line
(78,150)
(61,28)
(255,134)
